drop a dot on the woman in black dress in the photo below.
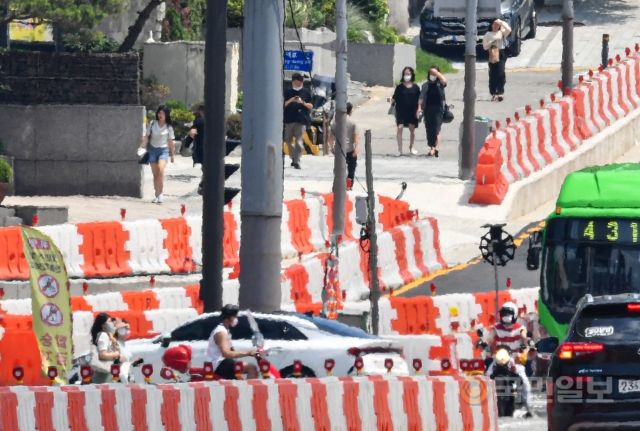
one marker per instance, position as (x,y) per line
(405,99)
(432,99)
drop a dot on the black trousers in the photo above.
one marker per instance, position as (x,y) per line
(352,162)
(497,75)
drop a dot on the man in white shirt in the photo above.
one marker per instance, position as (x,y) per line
(220,352)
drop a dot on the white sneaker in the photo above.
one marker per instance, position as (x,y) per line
(414,151)
(160,199)
(155,200)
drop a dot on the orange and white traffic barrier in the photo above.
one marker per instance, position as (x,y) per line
(406,253)
(360,403)
(558,128)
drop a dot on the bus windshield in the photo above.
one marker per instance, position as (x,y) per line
(601,263)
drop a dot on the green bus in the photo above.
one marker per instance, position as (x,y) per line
(591,243)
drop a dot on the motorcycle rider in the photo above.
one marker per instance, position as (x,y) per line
(510,333)
(220,352)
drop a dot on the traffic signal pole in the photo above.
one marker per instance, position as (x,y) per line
(567,44)
(340,163)
(261,164)
(213,155)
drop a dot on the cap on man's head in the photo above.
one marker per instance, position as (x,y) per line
(297,77)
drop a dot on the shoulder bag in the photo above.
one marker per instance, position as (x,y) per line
(447,115)
(144,158)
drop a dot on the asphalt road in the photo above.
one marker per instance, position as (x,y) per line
(478,275)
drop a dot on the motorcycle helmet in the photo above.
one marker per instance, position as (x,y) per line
(509,309)
(178,358)
(229,310)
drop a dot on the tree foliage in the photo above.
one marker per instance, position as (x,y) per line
(66,15)
(184,20)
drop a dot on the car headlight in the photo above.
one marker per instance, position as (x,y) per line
(502,357)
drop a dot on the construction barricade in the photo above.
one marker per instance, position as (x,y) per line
(361,403)
(558,128)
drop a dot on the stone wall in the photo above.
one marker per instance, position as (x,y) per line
(70,78)
(180,66)
(63,150)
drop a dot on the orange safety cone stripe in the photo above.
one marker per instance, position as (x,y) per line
(410,403)
(170,409)
(319,407)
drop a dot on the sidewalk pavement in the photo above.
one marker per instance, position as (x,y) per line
(433,186)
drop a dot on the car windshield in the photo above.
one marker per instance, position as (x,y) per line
(574,267)
(336,328)
(606,323)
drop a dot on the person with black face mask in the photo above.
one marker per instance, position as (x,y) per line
(297,106)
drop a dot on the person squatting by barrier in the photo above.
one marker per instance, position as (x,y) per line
(351,147)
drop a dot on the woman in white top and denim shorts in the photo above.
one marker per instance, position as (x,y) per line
(158,140)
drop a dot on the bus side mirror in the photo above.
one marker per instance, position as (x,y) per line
(547,345)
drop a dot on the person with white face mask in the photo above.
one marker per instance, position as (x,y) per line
(297,106)
(104,347)
(405,99)
(431,102)
(220,352)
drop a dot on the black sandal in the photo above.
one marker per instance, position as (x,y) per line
(436,153)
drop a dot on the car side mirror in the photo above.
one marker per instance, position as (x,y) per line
(165,341)
(547,345)
(533,258)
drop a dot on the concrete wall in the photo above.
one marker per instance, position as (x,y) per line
(63,150)
(180,66)
(377,64)
(320,41)
(117,26)
(542,187)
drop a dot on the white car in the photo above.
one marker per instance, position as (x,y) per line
(287,338)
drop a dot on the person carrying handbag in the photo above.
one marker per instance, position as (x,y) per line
(432,104)
(494,43)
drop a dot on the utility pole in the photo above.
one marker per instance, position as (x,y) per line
(340,163)
(261,166)
(213,155)
(374,293)
(469,113)
(567,44)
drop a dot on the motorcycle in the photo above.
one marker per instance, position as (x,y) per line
(177,361)
(323,109)
(83,361)
(508,383)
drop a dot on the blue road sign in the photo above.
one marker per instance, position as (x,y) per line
(300,61)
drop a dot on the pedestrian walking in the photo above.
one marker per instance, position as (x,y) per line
(297,106)
(405,100)
(431,106)
(494,43)
(196,133)
(350,148)
(158,141)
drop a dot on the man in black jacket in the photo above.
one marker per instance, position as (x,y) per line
(297,105)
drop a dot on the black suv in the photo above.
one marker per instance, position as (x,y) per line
(594,375)
(441,31)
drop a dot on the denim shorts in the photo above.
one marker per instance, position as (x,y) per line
(157,154)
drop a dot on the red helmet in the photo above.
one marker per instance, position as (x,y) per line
(178,358)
